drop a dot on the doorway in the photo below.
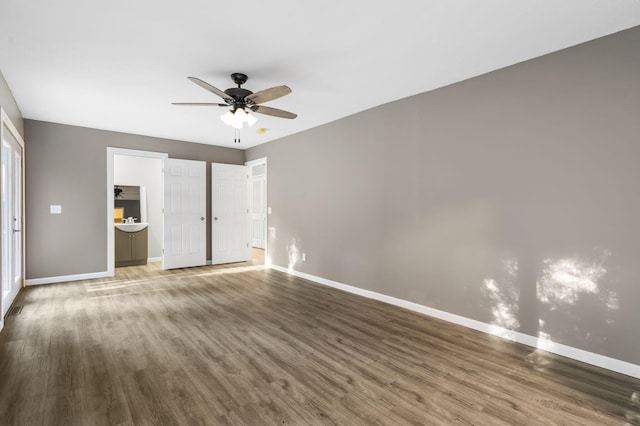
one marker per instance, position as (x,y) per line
(11,213)
(259,209)
(138,168)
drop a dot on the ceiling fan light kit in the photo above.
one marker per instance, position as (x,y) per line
(242,101)
(237,118)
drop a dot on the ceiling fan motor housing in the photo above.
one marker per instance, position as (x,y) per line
(237,93)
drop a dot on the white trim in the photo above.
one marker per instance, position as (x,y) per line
(154,259)
(14,131)
(66,278)
(5,120)
(256,162)
(602,361)
(111,152)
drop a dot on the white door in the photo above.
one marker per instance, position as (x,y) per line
(258,211)
(11,216)
(230,215)
(185,208)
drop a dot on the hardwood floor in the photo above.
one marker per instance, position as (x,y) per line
(243,345)
(258,256)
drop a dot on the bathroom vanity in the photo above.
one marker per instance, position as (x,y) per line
(131,237)
(131,244)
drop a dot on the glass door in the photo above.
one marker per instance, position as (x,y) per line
(11,215)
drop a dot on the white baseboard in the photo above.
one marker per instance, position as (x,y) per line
(602,361)
(154,259)
(66,278)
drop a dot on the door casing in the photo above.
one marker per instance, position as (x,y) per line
(7,125)
(250,164)
(111,152)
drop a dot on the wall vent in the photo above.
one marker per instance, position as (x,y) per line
(15,310)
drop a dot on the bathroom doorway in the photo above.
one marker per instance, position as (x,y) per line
(141,169)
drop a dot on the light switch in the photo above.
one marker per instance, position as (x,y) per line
(55,209)
(268,210)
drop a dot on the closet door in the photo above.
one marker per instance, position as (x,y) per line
(185,209)
(230,215)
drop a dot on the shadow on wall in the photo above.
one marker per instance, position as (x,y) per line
(564,290)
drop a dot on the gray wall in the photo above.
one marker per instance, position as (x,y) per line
(511,198)
(8,103)
(67,165)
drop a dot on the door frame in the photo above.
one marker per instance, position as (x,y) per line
(5,121)
(250,164)
(111,153)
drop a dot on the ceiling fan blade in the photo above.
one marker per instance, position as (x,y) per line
(198,104)
(267,95)
(273,111)
(209,87)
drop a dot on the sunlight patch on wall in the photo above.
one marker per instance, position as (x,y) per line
(293,254)
(503,295)
(542,335)
(570,291)
(565,280)
(271,235)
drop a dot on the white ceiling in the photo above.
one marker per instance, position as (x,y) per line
(117,65)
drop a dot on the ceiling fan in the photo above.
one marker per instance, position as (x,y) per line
(240,100)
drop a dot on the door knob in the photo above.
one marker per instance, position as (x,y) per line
(202,218)
(215,218)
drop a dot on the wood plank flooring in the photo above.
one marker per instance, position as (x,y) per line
(241,345)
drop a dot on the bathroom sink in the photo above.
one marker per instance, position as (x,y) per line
(131,227)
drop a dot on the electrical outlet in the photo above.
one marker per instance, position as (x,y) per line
(304,257)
